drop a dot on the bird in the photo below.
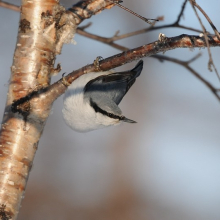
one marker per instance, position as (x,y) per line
(91,101)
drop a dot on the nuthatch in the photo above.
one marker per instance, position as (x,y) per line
(91,101)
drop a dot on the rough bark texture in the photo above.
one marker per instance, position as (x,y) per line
(33,62)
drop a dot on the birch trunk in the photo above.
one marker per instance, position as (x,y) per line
(43,29)
(20,133)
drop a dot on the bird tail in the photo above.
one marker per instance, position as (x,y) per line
(138,68)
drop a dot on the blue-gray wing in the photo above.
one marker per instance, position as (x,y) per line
(114,86)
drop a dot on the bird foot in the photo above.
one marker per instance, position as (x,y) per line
(96,63)
(64,81)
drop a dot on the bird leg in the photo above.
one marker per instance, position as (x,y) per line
(64,81)
(96,63)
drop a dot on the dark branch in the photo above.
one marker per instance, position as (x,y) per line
(211,62)
(185,64)
(81,30)
(207,18)
(85,9)
(182,41)
(181,12)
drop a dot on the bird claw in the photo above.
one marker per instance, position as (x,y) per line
(96,63)
(64,81)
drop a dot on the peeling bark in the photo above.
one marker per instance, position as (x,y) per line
(40,31)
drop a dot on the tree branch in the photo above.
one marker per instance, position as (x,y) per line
(9,6)
(211,62)
(181,12)
(185,64)
(51,93)
(101,39)
(159,57)
(207,18)
(182,41)
(110,40)
(85,9)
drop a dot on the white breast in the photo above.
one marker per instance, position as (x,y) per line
(77,112)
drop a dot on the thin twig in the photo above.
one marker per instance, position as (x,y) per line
(181,12)
(9,6)
(185,64)
(142,31)
(135,14)
(153,28)
(100,39)
(211,62)
(208,19)
(145,30)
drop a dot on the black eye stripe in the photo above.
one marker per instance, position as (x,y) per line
(110,115)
